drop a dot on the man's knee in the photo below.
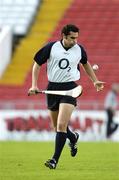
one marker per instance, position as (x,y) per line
(61,126)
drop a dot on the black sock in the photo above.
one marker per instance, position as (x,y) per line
(70,135)
(59,144)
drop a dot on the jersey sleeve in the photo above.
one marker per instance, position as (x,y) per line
(84,57)
(43,54)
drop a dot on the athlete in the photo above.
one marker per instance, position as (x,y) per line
(63,59)
(110,105)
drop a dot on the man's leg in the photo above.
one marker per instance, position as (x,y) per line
(54,117)
(109,122)
(51,163)
(73,137)
(65,111)
(70,135)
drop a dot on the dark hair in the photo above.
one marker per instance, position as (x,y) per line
(68,28)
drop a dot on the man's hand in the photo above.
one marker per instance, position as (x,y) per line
(32,91)
(99,85)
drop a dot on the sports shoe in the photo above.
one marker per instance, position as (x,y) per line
(51,163)
(73,146)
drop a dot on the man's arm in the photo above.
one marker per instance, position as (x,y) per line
(99,85)
(35,73)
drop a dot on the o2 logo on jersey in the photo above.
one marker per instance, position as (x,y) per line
(64,64)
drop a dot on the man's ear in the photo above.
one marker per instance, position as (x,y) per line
(64,36)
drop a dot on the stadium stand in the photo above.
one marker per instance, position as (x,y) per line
(15,78)
(98,22)
(18,14)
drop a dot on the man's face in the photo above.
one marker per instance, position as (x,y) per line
(71,39)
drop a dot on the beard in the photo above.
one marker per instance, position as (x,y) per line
(71,45)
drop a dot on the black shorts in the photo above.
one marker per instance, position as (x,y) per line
(53,101)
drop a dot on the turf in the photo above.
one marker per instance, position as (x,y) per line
(25,161)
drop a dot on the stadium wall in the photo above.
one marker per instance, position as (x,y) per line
(5,47)
(35,125)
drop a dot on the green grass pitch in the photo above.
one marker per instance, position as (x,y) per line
(25,161)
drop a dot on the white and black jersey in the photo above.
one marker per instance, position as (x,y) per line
(62,63)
